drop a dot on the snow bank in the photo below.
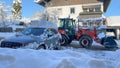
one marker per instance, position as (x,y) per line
(26,58)
(69,58)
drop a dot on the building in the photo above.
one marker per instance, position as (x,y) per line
(113,21)
(83,9)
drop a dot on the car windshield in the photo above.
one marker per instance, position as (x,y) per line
(33,31)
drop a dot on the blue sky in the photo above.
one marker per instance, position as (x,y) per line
(113,9)
(29,7)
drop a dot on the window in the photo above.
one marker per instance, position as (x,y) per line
(59,10)
(72,10)
(97,9)
(91,9)
(85,9)
(88,10)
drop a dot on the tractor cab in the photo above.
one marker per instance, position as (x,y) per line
(66,23)
(67,30)
(67,26)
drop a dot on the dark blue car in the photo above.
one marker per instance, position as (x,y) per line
(34,37)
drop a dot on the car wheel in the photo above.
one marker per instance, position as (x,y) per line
(41,47)
(85,41)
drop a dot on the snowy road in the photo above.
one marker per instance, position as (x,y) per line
(95,46)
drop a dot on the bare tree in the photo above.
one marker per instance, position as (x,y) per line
(3,13)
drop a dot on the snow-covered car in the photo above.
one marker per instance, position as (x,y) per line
(34,37)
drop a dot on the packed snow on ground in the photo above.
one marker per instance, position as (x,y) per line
(67,58)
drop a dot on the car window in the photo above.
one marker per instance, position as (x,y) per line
(33,31)
(48,32)
(27,31)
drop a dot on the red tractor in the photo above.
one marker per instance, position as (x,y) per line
(84,35)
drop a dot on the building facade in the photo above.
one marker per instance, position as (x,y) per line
(83,9)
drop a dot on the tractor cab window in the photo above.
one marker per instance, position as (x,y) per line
(61,23)
(66,23)
(70,23)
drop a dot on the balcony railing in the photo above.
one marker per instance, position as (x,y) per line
(90,13)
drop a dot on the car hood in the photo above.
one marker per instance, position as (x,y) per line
(21,39)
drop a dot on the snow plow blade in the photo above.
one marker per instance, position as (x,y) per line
(109,42)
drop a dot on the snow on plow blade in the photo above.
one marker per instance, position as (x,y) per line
(109,42)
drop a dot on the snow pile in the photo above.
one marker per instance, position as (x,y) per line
(27,58)
(102,59)
(69,58)
(4,23)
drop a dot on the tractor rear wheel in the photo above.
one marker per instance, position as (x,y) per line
(85,41)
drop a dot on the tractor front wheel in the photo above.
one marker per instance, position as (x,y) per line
(64,41)
(85,41)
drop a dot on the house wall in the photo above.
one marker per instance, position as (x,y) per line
(64,11)
(113,21)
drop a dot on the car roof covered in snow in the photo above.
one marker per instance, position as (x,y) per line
(43,24)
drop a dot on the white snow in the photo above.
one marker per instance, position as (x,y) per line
(101,35)
(43,23)
(66,58)
(14,27)
(6,35)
